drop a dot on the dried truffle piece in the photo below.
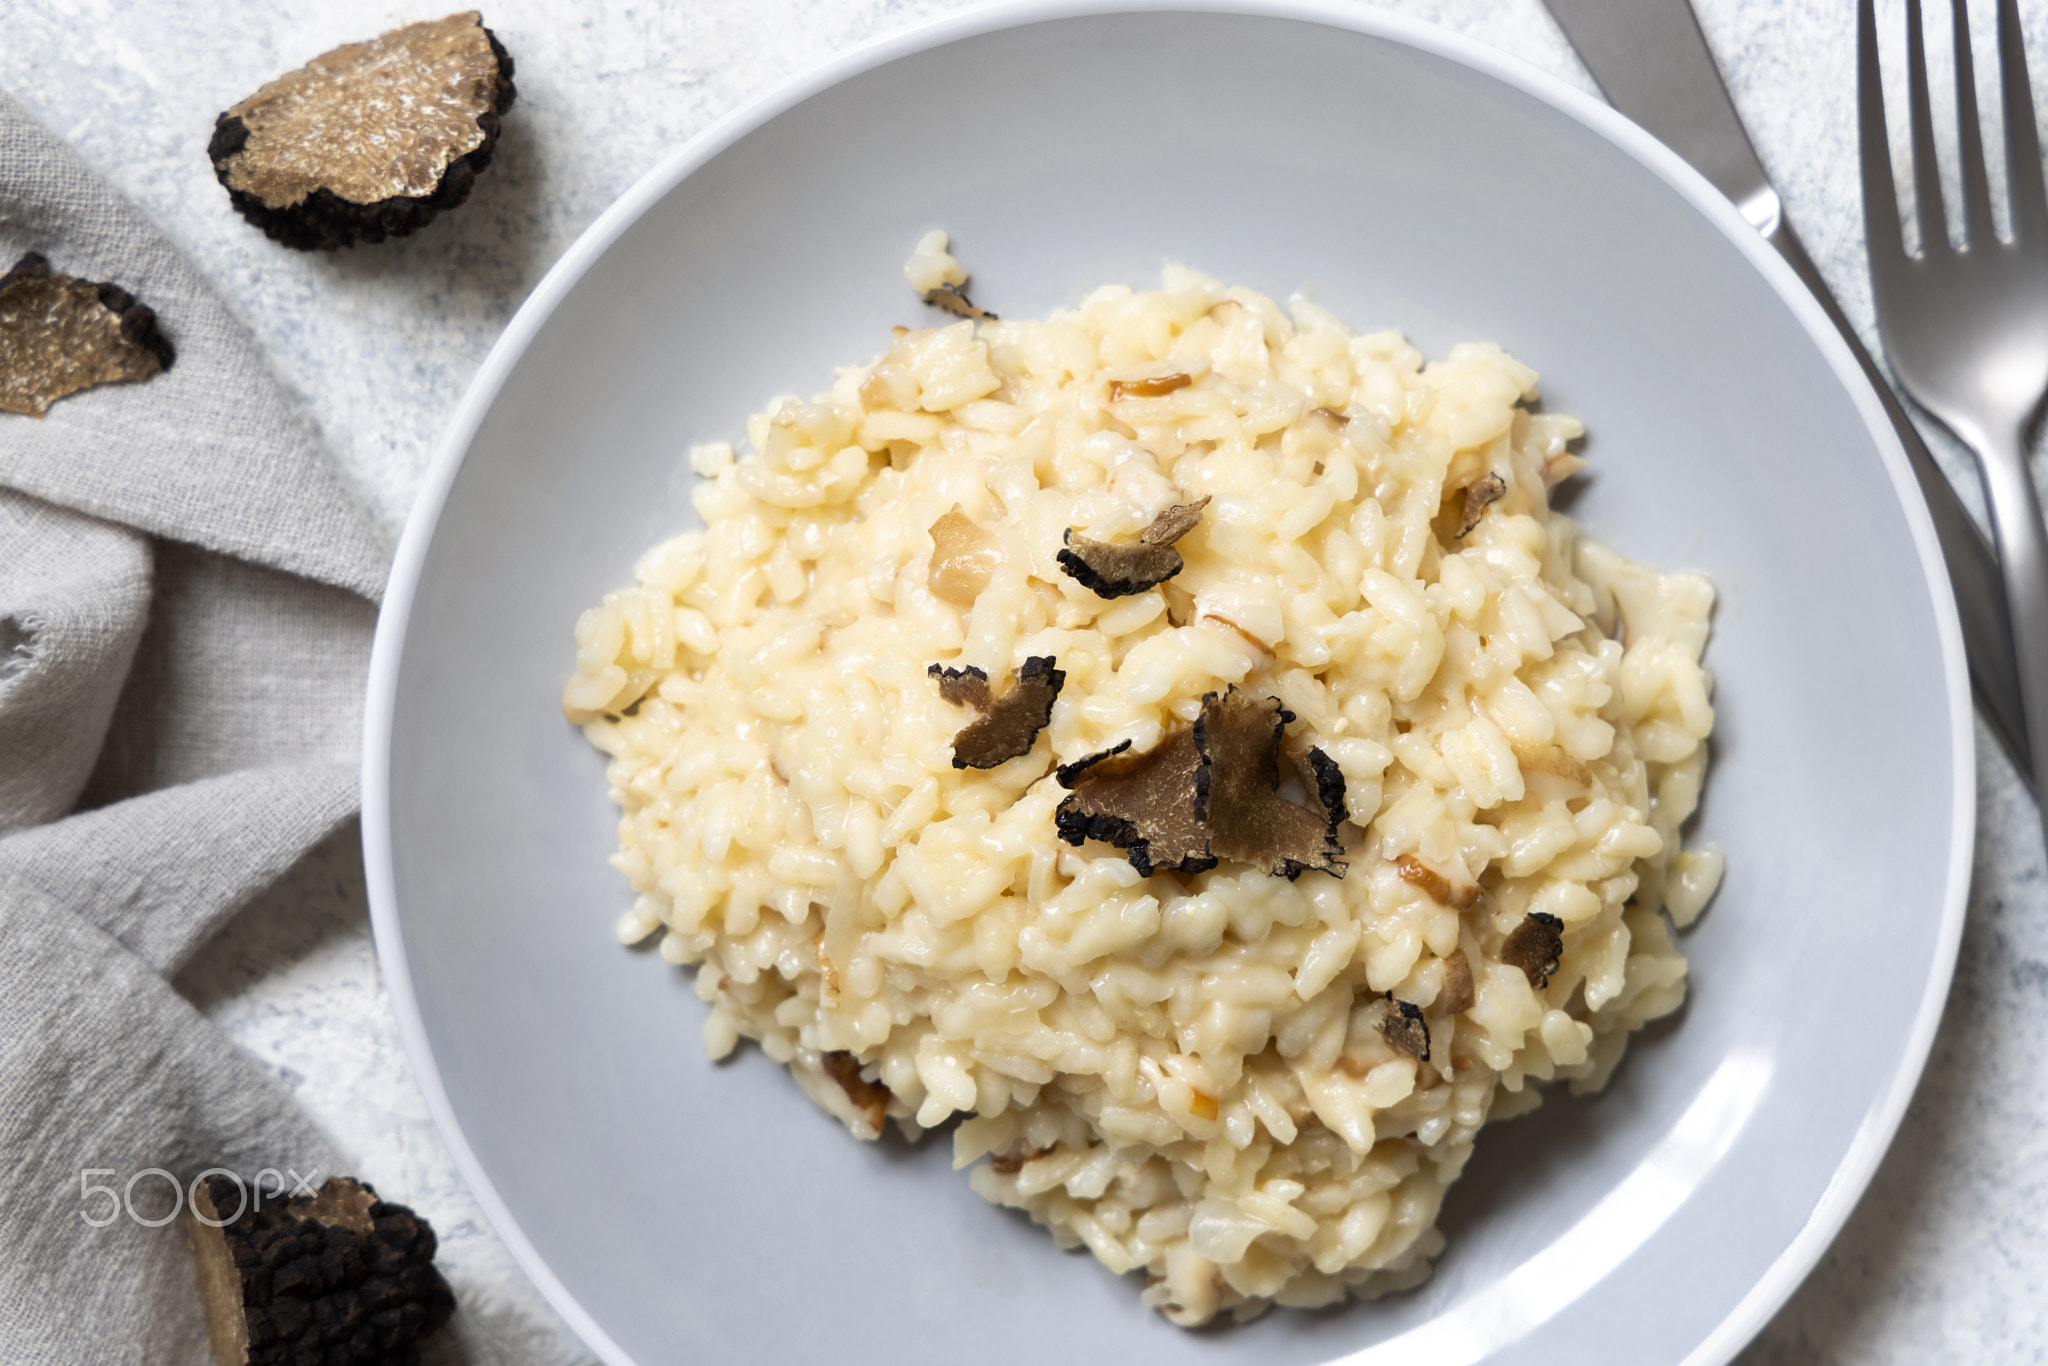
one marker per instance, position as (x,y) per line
(966,687)
(1239,790)
(1435,885)
(1456,996)
(1534,946)
(1008,725)
(371,140)
(1404,1029)
(60,334)
(1144,804)
(1117,570)
(1478,498)
(964,558)
(339,1276)
(1159,386)
(871,1098)
(953,299)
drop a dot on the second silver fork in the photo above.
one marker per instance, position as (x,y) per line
(1966,327)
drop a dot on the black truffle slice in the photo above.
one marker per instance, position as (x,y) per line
(1478,498)
(1116,569)
(60,334)
(1144,804)
(1534,946)
(1008,725)
(953,299)
(340,1276)
(1240,799)
(371,140)
(1404,1029)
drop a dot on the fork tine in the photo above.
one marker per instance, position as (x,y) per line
(2022,145)
(1926,171)
(1880,196)
(1976,187)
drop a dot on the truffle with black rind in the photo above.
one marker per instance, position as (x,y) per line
(1404,1029)
(307,212)
(1238,790)
(1008,725)
(1113,569)
(339,1276)
(1143,804)
(1534,946)
(60,334)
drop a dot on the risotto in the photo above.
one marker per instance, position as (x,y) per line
(1246,1067)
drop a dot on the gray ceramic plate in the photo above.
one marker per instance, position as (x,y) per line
(677,1211)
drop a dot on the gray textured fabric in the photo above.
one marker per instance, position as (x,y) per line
(185,614)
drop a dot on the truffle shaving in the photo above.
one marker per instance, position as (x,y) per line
(1534,946)
(953,299)
(1478,498)
(1115,570)
(1239,791)
(337,1276)
(1144,804)
(368,141)
(1404,1029)
(1008,725)
(871,1098)
(60,334)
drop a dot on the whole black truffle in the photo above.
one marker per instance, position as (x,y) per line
(371,140)
(340,1276)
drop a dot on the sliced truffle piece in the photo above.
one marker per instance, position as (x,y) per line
(1008,725)
(1456,995)
(953,299)
(1115,569)
(1159,386)
(1144,804)
(60,334)
(371,140)
(336,1276)
(1534,946)
(1404,1029)
(871,1098)
(1478,498)
(1239,791)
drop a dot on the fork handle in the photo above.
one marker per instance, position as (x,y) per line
(2022,539)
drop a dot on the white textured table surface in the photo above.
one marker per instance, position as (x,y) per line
(1947,1256)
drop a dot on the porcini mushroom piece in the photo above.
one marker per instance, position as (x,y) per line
(1143,804)
(1534,946)
(1239,790)
(1435,885)
(871,1098)
(1008,725)
(964,558)
(1456,996)
(1114,570)
(60,334)
(953,299)
(1158,386)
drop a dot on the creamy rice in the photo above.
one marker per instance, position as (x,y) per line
(1187,1074)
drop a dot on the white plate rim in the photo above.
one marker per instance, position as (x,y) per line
(1873,1138)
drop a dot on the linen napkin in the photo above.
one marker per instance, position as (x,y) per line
(187,594)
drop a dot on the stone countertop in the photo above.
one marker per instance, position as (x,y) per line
(1946,1256)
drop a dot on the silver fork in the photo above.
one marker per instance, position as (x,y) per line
(1966,329)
